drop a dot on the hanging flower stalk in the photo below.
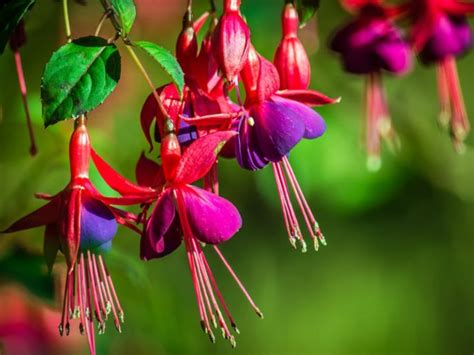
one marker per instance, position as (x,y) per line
(370,45)
(440,33)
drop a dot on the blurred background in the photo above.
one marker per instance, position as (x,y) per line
(397,274)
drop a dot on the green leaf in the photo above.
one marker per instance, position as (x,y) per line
(306,10)
(167,61)
(78,78)
(126,12)
(11,14)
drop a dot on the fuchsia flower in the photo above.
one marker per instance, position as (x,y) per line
(369,45)
(231,41)
(291,59)
(440,33)
(184,212)
(81,223)
(275,121)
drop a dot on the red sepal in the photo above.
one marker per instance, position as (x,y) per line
(308,97)
(197,25)
(201,155)
(115,180)
(44,215)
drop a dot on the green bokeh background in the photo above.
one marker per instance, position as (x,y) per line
(397,274)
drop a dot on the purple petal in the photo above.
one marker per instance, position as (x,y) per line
(98,225)
(213,219)
(247,153)
(313,122)
(451,36)
(371,44)
(394,56)
(278,127)
(163,234)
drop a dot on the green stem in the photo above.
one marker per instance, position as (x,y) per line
(213,6)
(147,79)
(104,17)
(66,21)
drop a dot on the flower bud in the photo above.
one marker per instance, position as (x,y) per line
(290,58)
(170,150)
(231,41)
(186,45)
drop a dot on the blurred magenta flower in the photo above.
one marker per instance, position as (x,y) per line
(369,45)
(440,33)
(28,326)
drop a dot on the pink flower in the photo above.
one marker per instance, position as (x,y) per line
(369,45)
(440,33)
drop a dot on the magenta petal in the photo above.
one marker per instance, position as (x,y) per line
(278,128)
(163,234)
(213,219)
(313,122)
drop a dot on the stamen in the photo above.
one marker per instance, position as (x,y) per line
(294,230)
(239,283)
(65,305)
(378,122)
(311,223)
(84,303)
(99,289)
(92,281)
(197,291)
(443,93)
(204,283)
(114,294)
(108,287)
(459,121)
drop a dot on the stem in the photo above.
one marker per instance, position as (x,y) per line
(112,16)
(105,16)
(147,79)
(66,21)
(22,83)
(213,5)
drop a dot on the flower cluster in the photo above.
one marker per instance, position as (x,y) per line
(188,132)
(226,101)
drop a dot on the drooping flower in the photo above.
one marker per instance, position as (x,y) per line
(290,58)
(231,41)
(81,223)
(274,122)
(440,33)
(186,213)
(370,45)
